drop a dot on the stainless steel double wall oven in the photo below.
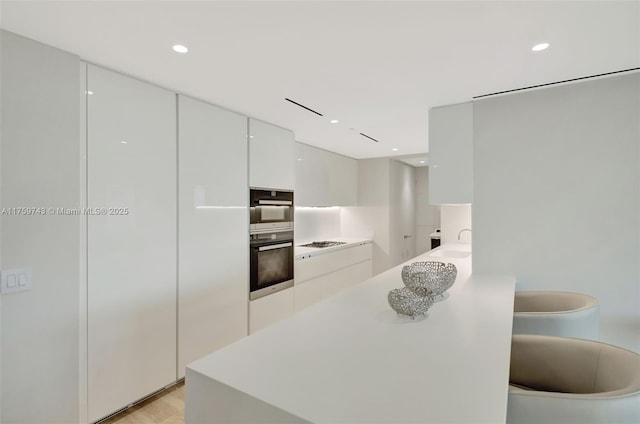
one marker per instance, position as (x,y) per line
(271,241)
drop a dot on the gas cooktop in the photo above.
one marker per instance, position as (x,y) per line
(321,244)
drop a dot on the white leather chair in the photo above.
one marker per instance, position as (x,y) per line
(563,380)
(556,313)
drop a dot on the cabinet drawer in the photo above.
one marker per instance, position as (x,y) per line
(327,285)
(315,266)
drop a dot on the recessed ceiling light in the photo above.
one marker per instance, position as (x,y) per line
(394,149)
(334,121)
(540,47)
(299,158)
(123,142)
(179,48)
(89,92)
(421,161)
(250,136)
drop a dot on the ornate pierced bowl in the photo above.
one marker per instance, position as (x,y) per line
(404,301)
(429,278)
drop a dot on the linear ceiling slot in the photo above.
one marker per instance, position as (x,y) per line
(370,138)
(556,82)
(303,106)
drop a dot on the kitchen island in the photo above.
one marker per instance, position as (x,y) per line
(352,359)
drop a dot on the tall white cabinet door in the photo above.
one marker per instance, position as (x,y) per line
(271,151)
(451,154)
(131,171)
(213,229)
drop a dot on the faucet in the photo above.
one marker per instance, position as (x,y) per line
(462,231)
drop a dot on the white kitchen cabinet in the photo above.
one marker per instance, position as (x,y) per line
(213,229)
(346,278)
(324,178)
(271,308)
(343,180)
(271,156)
(325,274)
(312,176)
(131,172)
(327,285)
(451,154)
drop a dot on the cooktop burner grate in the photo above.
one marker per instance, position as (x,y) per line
(321,244)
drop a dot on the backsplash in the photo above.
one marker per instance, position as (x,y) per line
(455,218)
(316,224)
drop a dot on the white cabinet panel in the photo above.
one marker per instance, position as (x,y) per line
(270,309)
(132,256)
(316,289)
(271,161)
(308,268)
(213,229)
(451,154)
(324,178)
(343,180)
(312,176)
(346,278)
(325,275)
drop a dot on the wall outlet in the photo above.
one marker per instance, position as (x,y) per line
(16,280)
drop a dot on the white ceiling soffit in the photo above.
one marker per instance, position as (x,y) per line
(376,67)
(416,161)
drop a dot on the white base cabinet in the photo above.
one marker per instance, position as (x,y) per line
(317,277)
(326,274)
(312,291)
(269,309)
(346,278)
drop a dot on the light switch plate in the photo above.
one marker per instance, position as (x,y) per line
(16,280)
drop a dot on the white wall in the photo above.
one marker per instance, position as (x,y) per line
(556,199)
(455,218)
(40,168)
(316,224)
(427,215)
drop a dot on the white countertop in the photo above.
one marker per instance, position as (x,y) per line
(351,359)
(349,242)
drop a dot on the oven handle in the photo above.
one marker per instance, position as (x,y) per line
(274,246)
(275,202)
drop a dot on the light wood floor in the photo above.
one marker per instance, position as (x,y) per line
(164,408)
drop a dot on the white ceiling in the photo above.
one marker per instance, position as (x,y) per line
(376,66)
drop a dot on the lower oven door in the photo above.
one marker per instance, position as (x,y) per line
(271,267)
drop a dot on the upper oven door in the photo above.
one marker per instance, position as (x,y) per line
(271,209)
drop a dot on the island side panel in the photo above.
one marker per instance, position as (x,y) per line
(209,401)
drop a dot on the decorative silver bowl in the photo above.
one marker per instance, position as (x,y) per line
(429,278)
(406,302)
